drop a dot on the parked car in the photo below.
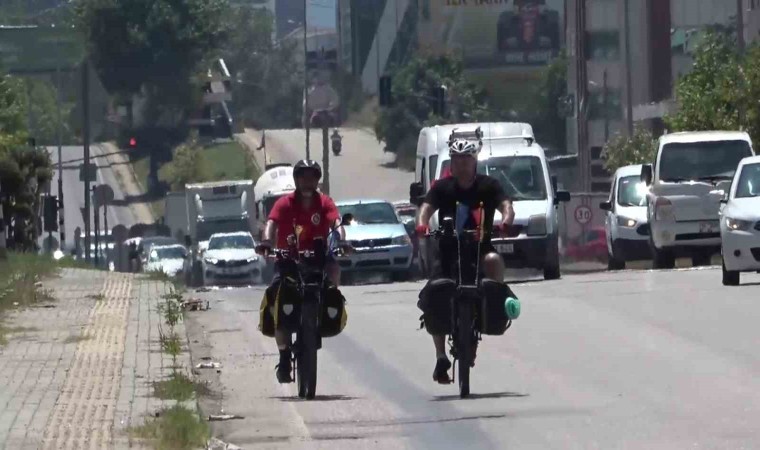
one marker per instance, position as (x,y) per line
(169,259)
(740,223)
(626,224)
(379,239)
(231,259)
(592,246)
(686,183)
(146,244)
(407,212)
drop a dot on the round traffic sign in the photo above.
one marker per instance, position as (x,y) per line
(103,195)
(583,214)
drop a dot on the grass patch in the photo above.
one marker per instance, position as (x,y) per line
(228,161)
(172,345)
(20,274)
(176,428)
(178,387)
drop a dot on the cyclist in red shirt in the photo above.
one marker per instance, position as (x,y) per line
(315,214)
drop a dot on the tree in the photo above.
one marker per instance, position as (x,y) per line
(621,150)
(187,166)
(42,100)
(155,47)
(548,122)
(267,77)
(399,125)
(709,95)
(24,171)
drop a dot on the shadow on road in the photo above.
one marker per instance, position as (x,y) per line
(448,398)
(318,398)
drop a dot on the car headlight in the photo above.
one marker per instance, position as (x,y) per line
(211,260)
(738,225)
(401,240)
(252,259)
(626,222)
(536,225)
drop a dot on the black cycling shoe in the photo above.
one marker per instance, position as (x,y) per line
(284,368)
(441,372)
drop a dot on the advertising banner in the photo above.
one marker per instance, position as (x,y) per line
(494,33)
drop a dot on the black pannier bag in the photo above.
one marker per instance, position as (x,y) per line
(435,302)
(334,314)
(493,318)
(281,307)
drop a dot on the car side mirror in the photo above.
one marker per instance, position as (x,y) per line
(724,199)
(561,196)
(416,191)
(647,174)
(347,219)
(605,206)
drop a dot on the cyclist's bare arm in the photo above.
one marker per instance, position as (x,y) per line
(507,212)
(426,212)
(270,231)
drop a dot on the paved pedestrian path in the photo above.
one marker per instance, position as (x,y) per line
(78,371)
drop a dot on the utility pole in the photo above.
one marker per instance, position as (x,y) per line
(628,87)
(61,230)
(86,139)
(605,96)
(740,25)
(306,114)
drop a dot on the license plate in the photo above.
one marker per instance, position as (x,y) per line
(707,227)
(505,248)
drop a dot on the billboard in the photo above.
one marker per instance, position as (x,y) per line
(494,33)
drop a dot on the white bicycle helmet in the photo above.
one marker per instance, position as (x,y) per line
(464,147)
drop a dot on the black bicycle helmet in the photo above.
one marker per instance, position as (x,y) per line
(307,164)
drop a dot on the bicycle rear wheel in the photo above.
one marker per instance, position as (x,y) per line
(307,353)
(464,347)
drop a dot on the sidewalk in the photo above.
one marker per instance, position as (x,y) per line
(78,372)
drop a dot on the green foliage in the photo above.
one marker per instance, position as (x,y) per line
(268,78)
(153,46)
(176,428)
(187,166)
(621,151)
(709,96)
(548,123)
(399,125)
(42,100)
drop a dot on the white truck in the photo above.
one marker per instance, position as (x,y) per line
(511,155)
(209,208)
(275,182)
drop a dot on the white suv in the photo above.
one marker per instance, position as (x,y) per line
(691,173)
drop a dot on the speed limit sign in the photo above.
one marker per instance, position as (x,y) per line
(583,214)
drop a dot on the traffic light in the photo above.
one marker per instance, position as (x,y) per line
(386,99)
(50,210)
(438,95)
(132,142)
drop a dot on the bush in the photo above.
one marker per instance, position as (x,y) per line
(187,166)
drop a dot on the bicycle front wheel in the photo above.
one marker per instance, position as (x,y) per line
(464,347)
(307,353)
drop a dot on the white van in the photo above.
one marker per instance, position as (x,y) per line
(275,182)
(690,175)
(626,219)
(511,155)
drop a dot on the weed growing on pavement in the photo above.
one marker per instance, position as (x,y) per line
(76,339)
(97,297)
(158,275)
(172,345)
(176,428)
(178,387)
(20,281)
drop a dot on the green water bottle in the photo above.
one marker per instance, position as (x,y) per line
(512,307)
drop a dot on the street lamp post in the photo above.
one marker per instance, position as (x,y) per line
(306,80)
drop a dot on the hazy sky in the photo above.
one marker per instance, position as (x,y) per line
(321,13)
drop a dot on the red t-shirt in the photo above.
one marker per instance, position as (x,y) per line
(288,213)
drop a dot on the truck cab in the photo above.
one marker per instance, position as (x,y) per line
(511,155)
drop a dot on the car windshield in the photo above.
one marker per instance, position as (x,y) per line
(168,253)
(206,229)
(702,161)
(631,191)
(749,182)
(370,213)
(521,177)
(231,242)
